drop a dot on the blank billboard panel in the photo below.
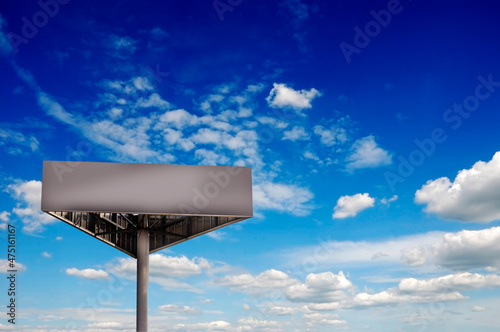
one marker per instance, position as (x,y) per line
(147,188)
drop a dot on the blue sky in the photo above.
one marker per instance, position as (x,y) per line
(371,128)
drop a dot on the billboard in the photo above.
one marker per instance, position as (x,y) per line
(111,201)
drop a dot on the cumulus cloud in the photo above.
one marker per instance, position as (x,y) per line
(318,287)
(365,153)
(164,270)
(165,266)
(472,197)
(28,195)
(450,283)
(415,256)
(263,283)
(392,296)
(350,206)
(467,249)
(283,198)
(281,96)
(91,274)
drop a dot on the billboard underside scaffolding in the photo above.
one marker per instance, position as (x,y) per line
(120,230)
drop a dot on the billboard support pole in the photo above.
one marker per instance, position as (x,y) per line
(142,276)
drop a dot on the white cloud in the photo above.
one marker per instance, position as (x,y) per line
(4,216)
(218,325)
(206,105)
(467,249)
(153,100)
(53,108)
(332,136)
(321,287)
(321,306)
(90,274)
(162,266)
(16,143)
(311,155)
(393,296)
(415,256)
(5,45)
(115,113)
(350,206)
(296,134)
(280,311)
(347,254)
(172,308)
(365,153)
(28,207)
(264,283)
(478,308)
(450,283)
(386,201)
(267,120)
(106,325)
(318,319)
(120,47)
(217,235)
(283,198)
(179,118)
(164,270)
(472,197)
(142,83)
(209,157)
(253,323)
(5,266)
(158,33)
(4,219)
(254,88)
(281,96)
(46,254)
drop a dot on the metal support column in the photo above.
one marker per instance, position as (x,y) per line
(142,279)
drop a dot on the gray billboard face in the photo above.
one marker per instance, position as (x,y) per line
(112,201)
(147,188)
